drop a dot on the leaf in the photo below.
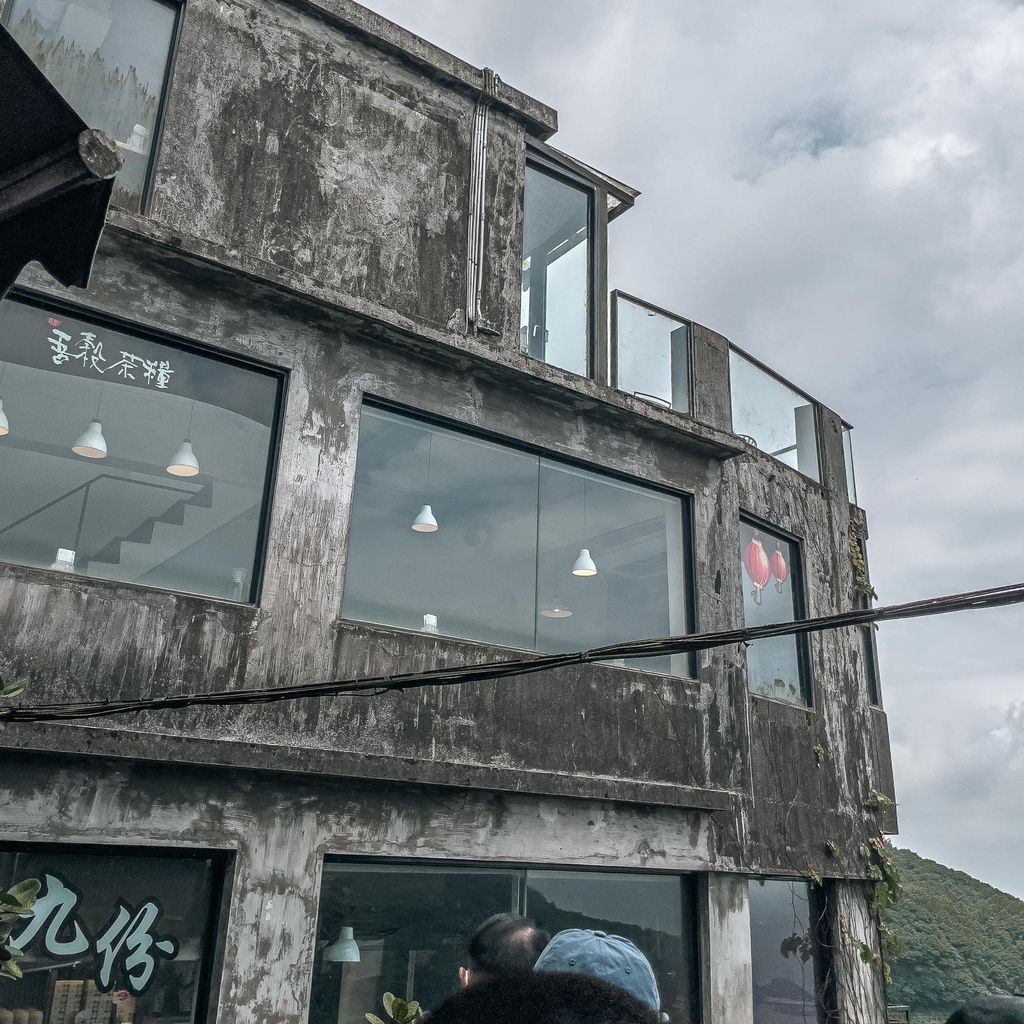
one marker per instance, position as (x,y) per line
(26,892)
(388,1000)
(373,1018)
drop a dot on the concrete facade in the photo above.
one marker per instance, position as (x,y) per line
(311,211)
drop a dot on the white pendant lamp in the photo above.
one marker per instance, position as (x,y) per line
(344,950)
(556,611)
(92,444)
(425,521)
(185,462)
(584,564)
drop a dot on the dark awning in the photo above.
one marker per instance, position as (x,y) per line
(56,176)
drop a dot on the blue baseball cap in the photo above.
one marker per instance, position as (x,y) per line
(611,958)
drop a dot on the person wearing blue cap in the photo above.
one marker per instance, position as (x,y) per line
(610,958)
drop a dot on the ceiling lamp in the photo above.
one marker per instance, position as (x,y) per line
(425,521)
(344,950)
(5,425)
(556,611)
(584,564)
(92,444)
(184,462)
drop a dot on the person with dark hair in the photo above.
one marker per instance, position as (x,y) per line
(505,945)
(989,1010)
(543,998)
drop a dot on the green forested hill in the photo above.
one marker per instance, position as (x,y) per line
(963,938)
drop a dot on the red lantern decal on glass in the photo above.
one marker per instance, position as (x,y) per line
(755,561)
(779,568)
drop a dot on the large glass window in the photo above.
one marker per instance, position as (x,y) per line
(555,312)
(851,482)
(771,579)
(463,536)
(651,353)
(129,459)
(116,938)
(109,60)
(785,953)
(773,416)
(411,925)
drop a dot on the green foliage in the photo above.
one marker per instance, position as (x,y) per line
(879,801)
(819,753)
(15,904)
(400,1011)
(962,937)
(832,847)
(861,582)
(12,688)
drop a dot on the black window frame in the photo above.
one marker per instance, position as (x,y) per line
(690,891)
(45,303)
(686,499)
(545,163)
(145,199)
(796,575)
(222,867)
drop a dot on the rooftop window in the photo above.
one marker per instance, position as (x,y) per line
(650,353)
(110,60)
(772,415)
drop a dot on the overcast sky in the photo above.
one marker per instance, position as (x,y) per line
(838,189)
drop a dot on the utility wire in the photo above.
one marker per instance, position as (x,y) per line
(376,685)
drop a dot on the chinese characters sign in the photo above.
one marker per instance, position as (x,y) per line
(87,350)
(128,947)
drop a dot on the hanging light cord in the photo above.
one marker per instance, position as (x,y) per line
(374,686)
(191,413)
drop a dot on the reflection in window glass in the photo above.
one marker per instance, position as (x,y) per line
(851,483)
(556,263)
(654,911)
(770,580)
(519,550)
(83,953)
(108,59)
(130,460)
(652,354)
(412,926)
(783,952)
(772,416)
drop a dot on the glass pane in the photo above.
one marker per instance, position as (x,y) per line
(654,911)
(653,354)
(782,952)
(773,664)
(634,538)
(474,575)
(772,416)
(98,479)
(851,483)
(120,938)
(466,537)
(412,926)
(556,262)
(107,58)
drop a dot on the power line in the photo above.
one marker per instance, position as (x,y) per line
(494,670)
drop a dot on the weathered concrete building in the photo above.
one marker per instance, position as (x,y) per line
(348,396)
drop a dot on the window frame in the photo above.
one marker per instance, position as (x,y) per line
(796,575)
(614,298)
(813,402)
(685,499)
(222,868)
(174,43)
(45,303)
(690,903)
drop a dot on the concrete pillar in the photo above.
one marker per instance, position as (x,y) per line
(859,987)
(725,944)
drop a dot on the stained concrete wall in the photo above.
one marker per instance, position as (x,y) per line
(310,209)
